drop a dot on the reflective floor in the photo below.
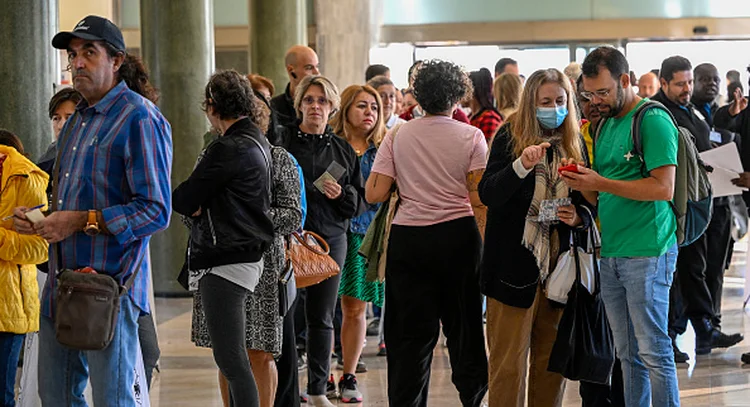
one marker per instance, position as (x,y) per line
(188,374)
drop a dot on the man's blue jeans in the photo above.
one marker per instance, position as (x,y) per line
(63,372)
(635,291)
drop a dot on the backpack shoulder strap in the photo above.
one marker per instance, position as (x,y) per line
(635,127)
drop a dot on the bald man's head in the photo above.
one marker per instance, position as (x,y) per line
(300,61)
(648,85)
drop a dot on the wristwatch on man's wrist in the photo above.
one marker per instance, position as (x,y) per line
(92,224)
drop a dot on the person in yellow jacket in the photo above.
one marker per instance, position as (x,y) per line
(21,184)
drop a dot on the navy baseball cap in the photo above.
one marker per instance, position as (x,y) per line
(93,28)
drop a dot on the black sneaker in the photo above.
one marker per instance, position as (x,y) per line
(331,391)
(349,391)
(745,358)
(361,366)
(373,328)
(381,350)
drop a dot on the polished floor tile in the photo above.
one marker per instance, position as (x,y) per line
(188,375)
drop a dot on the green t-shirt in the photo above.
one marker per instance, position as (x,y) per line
(635,228)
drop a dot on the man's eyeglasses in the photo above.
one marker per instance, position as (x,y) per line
(601,94)
(309,100)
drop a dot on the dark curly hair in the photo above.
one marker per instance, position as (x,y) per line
(439,85)
(134,73)
(231,96)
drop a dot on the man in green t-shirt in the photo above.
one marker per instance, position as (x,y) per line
(639,246)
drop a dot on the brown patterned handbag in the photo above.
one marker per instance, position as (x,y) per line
(310,260)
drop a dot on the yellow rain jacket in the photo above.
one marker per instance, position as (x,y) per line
(22,184)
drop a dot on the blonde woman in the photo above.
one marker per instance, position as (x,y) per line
(359,121)
(519,252)
(315,146)
(507,91)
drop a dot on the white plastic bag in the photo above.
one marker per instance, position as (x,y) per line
(562,278)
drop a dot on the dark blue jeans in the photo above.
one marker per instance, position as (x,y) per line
(10,344)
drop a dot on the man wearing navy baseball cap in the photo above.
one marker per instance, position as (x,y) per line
(113,192)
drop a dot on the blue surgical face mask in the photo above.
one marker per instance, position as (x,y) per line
(551,117)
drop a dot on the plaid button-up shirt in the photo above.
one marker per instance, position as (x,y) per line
(116,157)
(489,121)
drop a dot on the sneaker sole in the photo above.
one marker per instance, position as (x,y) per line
(352,400)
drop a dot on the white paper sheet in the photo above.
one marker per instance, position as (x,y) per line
(726,156)
(727,166)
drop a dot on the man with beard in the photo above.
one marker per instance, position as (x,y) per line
(639,245)
(700,266)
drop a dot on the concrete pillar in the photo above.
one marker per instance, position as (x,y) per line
(345,31)
(178,48)
(275,26)
(25,43)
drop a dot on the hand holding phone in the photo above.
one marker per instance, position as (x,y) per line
(569,168)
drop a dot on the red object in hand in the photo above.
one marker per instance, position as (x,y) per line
(569,168)
(87,270)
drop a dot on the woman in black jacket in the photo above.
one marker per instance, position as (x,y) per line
(520,251)
(227,198)
(330,206)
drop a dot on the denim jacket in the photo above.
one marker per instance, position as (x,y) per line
(362,222)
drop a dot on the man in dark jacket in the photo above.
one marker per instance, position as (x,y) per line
(700,266)
(300,61)
(706,91)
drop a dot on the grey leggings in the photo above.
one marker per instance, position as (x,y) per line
(224,306)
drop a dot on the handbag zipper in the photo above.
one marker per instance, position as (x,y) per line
(211,226)
(87,290)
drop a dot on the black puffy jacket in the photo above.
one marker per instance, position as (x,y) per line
(230,186)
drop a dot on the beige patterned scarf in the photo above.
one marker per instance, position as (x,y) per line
(536,236)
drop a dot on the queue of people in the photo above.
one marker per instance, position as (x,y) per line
(471,218)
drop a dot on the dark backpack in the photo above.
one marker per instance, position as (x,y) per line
(692,202)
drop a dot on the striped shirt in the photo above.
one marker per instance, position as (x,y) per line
(116,157)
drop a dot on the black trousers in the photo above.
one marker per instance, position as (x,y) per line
(149,345)
(432,278)
(287,391)
(696,291)
(604,395)
(320,309)
(300,320)
(719,242)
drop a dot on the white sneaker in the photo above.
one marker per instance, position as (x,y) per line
(319,401)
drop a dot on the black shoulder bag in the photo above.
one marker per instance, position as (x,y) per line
(584,348)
